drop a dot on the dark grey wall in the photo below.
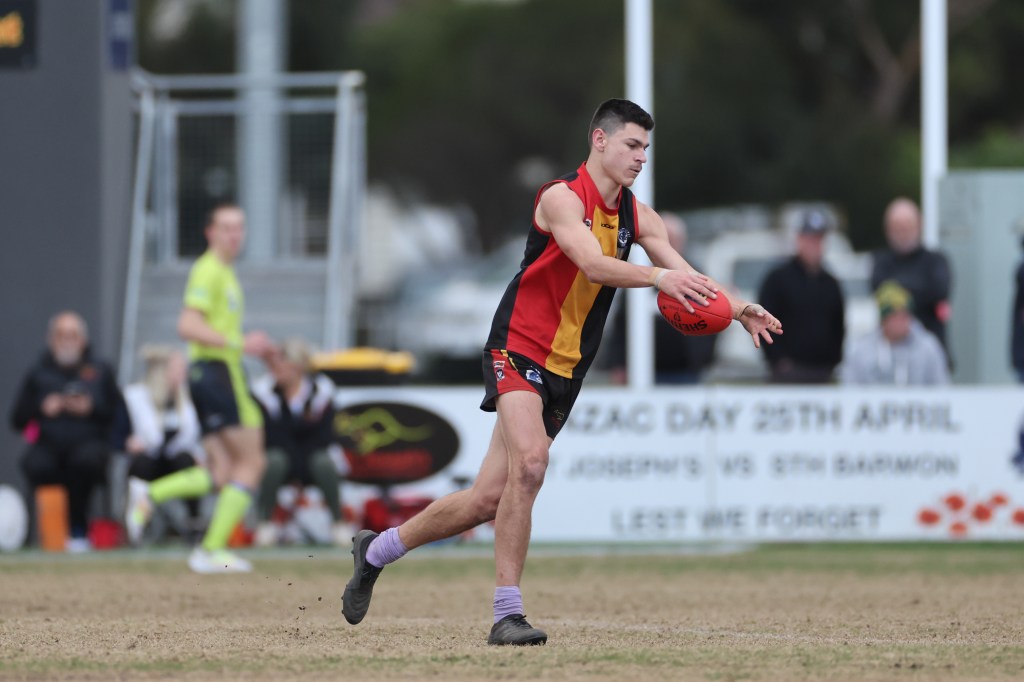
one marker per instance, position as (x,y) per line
(65,136)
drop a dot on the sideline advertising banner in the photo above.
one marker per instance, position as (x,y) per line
(753,464)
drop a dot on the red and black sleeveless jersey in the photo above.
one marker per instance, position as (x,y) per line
(551,312)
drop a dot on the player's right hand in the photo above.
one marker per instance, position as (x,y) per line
(688,287)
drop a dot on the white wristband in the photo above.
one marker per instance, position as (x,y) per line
(657,279)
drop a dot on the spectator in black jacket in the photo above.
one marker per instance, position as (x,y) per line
(298,415)
(65,408)
(922,272)
(808,297)
(1017,326)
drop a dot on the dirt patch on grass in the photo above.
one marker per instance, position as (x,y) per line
(776,614)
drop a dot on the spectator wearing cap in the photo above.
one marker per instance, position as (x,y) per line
(922,272)
(901,352)
(803,293)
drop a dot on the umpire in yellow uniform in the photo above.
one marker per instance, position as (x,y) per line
(211,322)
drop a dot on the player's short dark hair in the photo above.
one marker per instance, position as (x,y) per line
(615,113)
(219,206)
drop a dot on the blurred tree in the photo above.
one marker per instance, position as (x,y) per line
(859,67)
(185,36)
(476,103)
(320,34)
(198,36)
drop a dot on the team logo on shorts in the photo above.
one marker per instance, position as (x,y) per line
(534,376)
(588,222)
(499,369)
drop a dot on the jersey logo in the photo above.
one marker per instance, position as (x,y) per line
(624,239)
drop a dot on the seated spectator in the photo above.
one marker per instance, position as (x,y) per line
(159,428)
(298,412)
(68,401)
(901,351)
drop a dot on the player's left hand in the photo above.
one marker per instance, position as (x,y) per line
(759,323)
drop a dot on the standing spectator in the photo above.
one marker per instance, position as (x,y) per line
(298,414)
(924,273)
(159,428)
(68,400)
(1017,325)
(678,359)
(808,297)
(901,351)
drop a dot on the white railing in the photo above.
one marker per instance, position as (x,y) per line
(189,136)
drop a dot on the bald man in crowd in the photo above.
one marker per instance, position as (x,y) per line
(922,272)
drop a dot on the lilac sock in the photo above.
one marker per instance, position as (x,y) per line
(386,548)
(508,600)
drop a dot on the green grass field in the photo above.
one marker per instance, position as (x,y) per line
(777,612)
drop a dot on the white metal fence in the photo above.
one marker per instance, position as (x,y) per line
(290,150)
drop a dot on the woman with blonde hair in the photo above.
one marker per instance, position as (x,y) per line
(162,433)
